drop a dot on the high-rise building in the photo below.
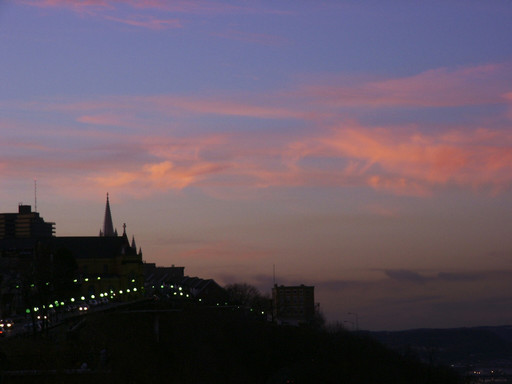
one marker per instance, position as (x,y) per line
(25,225)
(293,304)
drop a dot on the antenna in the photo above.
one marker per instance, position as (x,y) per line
(35,195)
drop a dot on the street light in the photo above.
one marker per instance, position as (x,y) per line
(356,318)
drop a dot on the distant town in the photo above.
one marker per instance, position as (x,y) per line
(43,275)
(50,284)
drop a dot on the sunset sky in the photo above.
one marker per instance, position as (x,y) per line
(363,147)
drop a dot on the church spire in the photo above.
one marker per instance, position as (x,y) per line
(108,226)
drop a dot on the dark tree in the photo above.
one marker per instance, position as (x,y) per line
(248,296)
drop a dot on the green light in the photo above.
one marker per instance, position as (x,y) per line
(128,291)
(134,289)
(99,278)
(27,310)
(86,279)
(75,281)
(120,292)
(50,306)
(133,280)
(82,298)
(93,297)
(72,299)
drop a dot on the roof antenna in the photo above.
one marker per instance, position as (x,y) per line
(35,195)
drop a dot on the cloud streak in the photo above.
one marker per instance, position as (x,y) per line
(129,12)
(323,147)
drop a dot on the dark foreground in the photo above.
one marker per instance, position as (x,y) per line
(200,345)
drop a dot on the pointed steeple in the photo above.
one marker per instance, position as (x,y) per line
(134,246)
(108,226)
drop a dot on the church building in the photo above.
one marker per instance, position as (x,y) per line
(107,264)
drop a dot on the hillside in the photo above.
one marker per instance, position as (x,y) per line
(199,345)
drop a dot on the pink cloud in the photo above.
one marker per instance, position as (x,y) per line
(409,162)
(103,119)
(112,9)
(440,87)
(157,150)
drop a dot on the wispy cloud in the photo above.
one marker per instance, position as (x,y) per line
(129,12)
(420,298)
(147,22)
(442,87)
(319,146)
(410,276)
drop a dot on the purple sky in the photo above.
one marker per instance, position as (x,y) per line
(364,148)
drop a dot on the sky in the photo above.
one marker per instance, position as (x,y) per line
(363,147)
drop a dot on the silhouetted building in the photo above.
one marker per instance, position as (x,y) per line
(293,304)
(207,290)
(107,263)
(154,275)
(23,237)
(24,225)
(108,225)
(36,266)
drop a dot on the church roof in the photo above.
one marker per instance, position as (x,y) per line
(108,226)
(84,247)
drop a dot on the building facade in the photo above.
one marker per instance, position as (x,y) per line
(25,225)
(293,305)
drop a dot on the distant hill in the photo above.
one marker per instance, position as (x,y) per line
(457,346)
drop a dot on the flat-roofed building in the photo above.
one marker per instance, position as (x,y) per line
(293,304)
(25,225)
